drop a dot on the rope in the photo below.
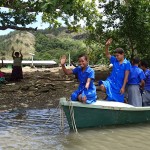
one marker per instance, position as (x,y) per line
(44,124)
(72,117)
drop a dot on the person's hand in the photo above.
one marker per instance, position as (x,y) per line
(63,60)
(108,42)
(84,99)
(122,90)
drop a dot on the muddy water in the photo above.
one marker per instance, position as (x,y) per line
(41,130)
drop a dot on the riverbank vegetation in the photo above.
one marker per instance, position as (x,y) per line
(126,21)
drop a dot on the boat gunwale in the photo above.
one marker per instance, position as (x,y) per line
(64,102)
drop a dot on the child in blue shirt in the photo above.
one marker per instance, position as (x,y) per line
(86,91)
(135,81)
(146,92)
(114,85)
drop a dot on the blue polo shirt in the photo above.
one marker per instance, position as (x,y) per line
(135,76)
(83,76)
(118,72)
(147,80)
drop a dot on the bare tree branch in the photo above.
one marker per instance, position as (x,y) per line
(16,28)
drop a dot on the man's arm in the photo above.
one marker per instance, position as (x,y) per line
(122,90)
(66,71)
(107,54)
(13,52)
(21,54)
(88,83)
(63,61)
(142,84)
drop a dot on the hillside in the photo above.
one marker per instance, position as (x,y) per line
(24,41)
(46,44)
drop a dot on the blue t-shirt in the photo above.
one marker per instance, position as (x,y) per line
(83,76)
(118,72)
(135,76)
(147,80)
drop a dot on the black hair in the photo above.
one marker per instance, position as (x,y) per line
(144,63)
(16,53)
(135,60)
(119,51)
(83,55)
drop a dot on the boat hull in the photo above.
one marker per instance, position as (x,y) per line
(86,117)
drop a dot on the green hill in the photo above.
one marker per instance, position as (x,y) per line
(46,44)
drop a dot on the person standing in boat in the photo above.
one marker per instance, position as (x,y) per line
(114,85)
(146,91)
(135,82)
(86,91)
(17,66)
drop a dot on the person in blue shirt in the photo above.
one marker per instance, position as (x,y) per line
(146,91)
(135,82)
(86,91)
(114,85)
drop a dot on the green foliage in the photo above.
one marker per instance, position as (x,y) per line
(128,23)
(22,13)
(54,47)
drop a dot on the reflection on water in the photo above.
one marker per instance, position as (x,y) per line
(40,130)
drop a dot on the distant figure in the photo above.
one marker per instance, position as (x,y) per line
(86,91)
(2,77)
(114,85)
(135,82)
(17,66)
(146,92)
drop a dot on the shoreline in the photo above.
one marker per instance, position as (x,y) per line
(40,88)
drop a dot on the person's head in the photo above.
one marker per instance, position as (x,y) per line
(143,64)
(83,60)
(135,61)
(119,53)
(17,54)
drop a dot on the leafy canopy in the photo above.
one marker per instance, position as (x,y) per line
(17,14)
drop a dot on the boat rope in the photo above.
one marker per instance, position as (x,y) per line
(61,118)
(44,123)
(71,110)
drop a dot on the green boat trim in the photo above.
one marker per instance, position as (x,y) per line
(103,113)
(103,104)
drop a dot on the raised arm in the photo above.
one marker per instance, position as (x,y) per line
(63,61)
(109,41)
(13,53)
(21,56)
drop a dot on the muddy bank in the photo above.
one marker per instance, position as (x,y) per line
(40,88)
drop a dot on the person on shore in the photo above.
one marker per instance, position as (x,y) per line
(17,66)
(86,91)
(2,77)
(114,85)
(135,82)
(146,91)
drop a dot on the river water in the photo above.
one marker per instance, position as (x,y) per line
(41,130)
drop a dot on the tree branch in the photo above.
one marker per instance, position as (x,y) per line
(17,28)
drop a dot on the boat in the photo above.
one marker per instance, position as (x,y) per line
(103,113)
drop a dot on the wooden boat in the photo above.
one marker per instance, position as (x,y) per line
(103,113)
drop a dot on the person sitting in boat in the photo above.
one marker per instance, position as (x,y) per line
(135,81)
(86,91)
(114,85)
(146,91)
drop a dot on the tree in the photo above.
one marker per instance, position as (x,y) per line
(128,23)
(18,13)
